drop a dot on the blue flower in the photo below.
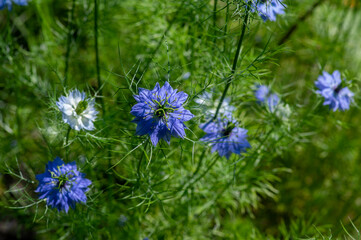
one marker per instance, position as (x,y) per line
(268,9)
(62,185)
(331,89)
(186,75)
(122,221)
(160,114)
(77,111)
(225,137)
(9,3)
(264,96)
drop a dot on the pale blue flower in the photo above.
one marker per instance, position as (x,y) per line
(265,96)
(268,9)
(330,87)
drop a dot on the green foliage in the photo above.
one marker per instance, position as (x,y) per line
(300,179)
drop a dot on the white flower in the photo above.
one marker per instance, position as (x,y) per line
(284,113)
(77,111)
(209,107)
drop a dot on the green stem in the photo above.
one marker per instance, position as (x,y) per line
(226,28)
(66,144)
(299,21)
(215,21)
(67,55)
(141,159)
(229,183)
(8,27)
(18,119)
(199,163)
(97,55)
(201,176)
(235,61)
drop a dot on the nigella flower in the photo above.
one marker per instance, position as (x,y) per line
(264,96)
(122,220)
(77,111)
(331,89)
(268,9)
(62,185)
(160,114)
(9,3)
(209,106)
(225,137)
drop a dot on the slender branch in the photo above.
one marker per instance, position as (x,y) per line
(215,21)
(67,55)
(301,19)
(235,61)
(141,159)
(200,176)
(66,143)
(226,28)
(97,55)
(199,163)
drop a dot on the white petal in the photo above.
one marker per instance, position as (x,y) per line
(68,109)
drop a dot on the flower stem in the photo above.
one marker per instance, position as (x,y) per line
(226,28)
(141,159)
(214,22)
(67,55)
(199,163)
(201,176)
(66,143)
(300,20)
(97,54)
(235,61)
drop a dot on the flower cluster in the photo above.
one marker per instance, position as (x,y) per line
(77,111)
(9,3)
(225,137)
(62,185)
(268,9)
(160,113)
(330,87)
(264,96)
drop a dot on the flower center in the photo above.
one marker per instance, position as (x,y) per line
(227,131)
(163,110)
(338,89)
(82,105)
(62,180)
